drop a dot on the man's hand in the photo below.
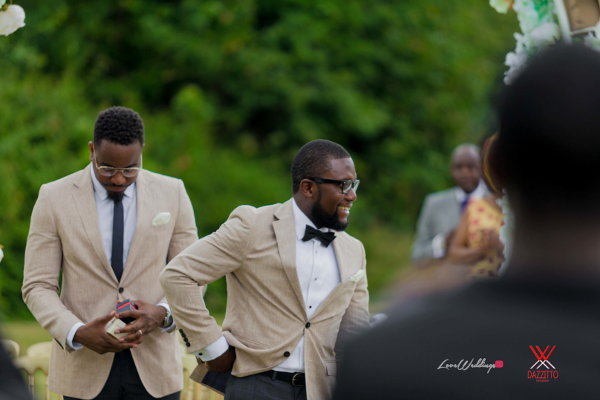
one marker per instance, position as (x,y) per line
(223,363)
(148,317)
(94,336)
(448,239)
(491,240)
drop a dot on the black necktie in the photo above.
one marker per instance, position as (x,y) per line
(116,259)
(325,237)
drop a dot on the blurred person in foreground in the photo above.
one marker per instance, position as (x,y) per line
(109,230)
(296,286)
(534,332)
(441,211)
(476,243)
(12,386)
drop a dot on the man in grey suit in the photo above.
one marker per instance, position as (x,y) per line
(441,211)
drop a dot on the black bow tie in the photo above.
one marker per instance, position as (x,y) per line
(325,237)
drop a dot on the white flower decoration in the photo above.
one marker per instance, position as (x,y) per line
(502,6)
(516,63)
(11,19)
(1,252)
(2,2)
(545,34)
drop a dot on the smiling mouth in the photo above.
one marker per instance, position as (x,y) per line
(345,209)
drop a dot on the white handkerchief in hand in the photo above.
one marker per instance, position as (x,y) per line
(161,218)
(358,276)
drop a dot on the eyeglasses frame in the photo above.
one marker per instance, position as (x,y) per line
(116,170)
(353,186)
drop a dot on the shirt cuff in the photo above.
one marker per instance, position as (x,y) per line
(439,245)
(170,327)
(213,350)
(71,336)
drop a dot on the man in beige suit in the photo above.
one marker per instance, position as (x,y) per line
(296,289)
(110,229)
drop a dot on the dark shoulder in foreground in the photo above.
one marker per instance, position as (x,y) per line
(415,353)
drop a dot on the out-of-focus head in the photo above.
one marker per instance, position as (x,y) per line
(548,154)
(465,166)
(118,143)
(322,200)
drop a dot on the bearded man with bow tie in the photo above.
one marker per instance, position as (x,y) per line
(110,229)
(296,286)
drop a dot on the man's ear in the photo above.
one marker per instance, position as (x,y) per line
(91,146)
(308,188)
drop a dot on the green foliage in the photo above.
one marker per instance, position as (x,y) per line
(229,90)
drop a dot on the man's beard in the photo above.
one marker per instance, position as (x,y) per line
(321,217)
(115,196)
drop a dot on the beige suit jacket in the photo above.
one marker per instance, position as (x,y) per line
(65,237)
(266,316)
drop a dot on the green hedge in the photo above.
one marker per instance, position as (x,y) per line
(229,90)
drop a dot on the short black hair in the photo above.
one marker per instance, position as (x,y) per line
(549,143)
(119,125)
(313,160)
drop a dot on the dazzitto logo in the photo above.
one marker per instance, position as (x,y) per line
(544,375)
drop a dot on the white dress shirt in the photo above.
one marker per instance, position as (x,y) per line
(318,273)
(105,207)
(439,241)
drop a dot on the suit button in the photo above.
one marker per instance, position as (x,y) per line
(199,354)
(185,339)
(121,290)
(307,325)
(187,344)
(286,354)
(181,331)
(183,335)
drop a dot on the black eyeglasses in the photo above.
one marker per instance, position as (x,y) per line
(346,184)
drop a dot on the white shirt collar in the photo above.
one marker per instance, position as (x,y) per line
(301,220)
(479,192)
(102,193)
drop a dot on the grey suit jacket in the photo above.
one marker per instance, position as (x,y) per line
(440,213)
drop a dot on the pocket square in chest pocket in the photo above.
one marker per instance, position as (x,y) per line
(161,218)
(358,276)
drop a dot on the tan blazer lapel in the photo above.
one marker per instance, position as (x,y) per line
(286,241)
(144,220)
(86,206)
(340,255)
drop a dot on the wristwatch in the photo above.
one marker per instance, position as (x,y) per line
(168,319)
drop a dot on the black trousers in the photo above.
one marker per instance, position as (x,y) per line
(261,387)
(124,382)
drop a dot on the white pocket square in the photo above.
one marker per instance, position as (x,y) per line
(358,276)
(161,218)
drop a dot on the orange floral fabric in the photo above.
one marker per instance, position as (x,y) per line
(482,216)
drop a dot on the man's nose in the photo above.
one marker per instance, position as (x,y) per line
(118,179)
(351,195)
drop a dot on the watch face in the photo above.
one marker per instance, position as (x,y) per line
(167,320)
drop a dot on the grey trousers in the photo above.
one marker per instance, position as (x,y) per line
(261,387)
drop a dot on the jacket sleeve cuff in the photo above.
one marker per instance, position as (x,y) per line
(439,245)
(213,350)
(71,335)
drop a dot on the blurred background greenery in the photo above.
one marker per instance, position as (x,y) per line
(230,89)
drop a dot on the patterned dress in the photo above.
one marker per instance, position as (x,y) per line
(482,216)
